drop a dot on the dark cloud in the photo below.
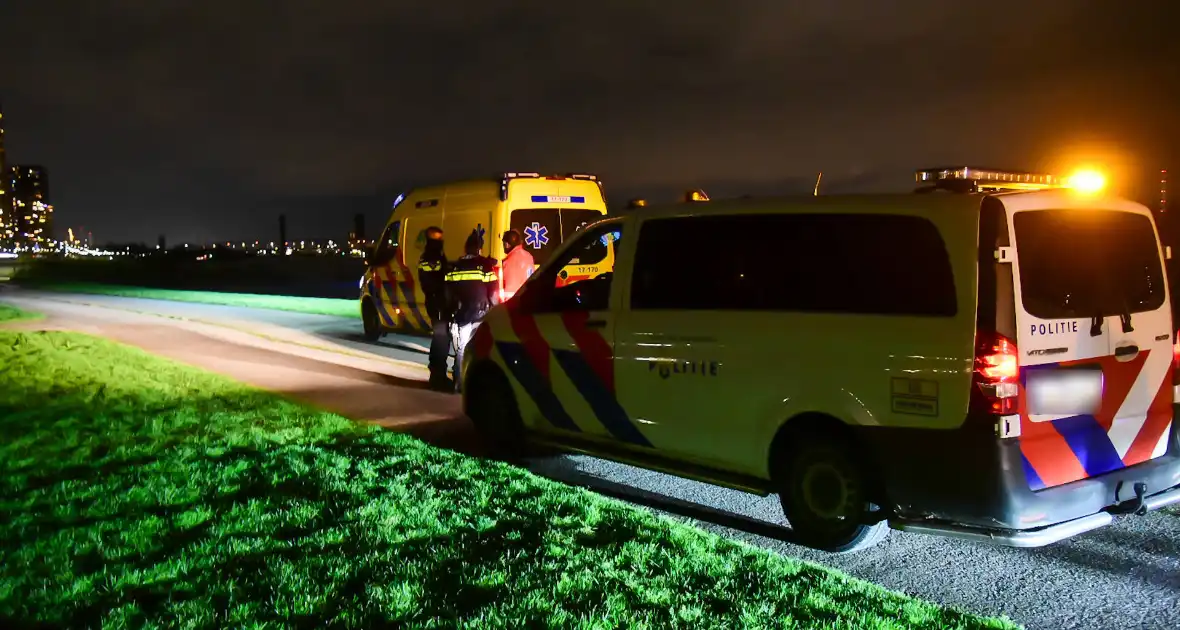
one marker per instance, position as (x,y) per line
(229,112)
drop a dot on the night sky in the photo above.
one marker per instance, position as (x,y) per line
(206,120)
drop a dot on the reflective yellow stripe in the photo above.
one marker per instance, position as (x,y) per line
(429,266)
(461,275)
(490,277)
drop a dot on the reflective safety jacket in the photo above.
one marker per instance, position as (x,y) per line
(518,266)
(431,277)
(471,285)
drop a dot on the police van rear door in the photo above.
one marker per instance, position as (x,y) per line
(1094,335)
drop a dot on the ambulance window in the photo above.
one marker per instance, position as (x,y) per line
(1087,263)
(572,222)
(387,245)
(833,263)
(541,230)
(390,237)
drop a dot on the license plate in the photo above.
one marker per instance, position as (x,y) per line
(1064,392)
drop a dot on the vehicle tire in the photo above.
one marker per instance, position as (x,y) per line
(371,322)
(491,404)
(824,494)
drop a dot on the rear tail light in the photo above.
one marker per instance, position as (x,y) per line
(1176,358)
(997,373)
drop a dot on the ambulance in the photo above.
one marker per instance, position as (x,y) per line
(989,358)
(546,210)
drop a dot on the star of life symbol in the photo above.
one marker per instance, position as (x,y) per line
(478,229)
(536,235)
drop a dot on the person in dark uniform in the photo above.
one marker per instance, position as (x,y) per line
(471,285)
(432,271)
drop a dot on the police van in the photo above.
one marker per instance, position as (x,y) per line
(992,360)
(546,210)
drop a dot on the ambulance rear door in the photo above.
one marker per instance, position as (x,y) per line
(547,211)
(1094,334)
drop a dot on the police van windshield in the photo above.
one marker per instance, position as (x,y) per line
(1087,263)
(543,229)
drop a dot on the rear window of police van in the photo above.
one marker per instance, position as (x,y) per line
(1087,263)
(872,264)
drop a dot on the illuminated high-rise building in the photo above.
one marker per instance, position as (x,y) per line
(5,197)
(32,214)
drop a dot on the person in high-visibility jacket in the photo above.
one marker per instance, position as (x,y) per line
(432,271)
(471,285)
(518,264)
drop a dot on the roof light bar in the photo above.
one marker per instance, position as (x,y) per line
(986,179)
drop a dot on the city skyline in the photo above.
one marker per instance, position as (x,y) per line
(26,215)
(5,199)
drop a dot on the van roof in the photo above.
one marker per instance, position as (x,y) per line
(905,202)
(492,184)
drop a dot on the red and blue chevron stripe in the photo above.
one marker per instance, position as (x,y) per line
(590,368)
(1076,447)
(387,290)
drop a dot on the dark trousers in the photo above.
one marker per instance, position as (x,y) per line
(440,350)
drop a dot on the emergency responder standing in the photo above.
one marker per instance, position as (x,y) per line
(471,285)
(518,264)
(432,271)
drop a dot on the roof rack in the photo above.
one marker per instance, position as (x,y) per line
(973,179)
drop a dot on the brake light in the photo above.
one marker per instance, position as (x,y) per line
(997,373)
(1176,358)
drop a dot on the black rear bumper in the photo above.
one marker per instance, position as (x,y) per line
(969,477)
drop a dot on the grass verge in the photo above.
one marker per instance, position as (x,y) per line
(9,313)
(311,305)
(135,491)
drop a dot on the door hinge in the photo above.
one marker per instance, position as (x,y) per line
(1004,255)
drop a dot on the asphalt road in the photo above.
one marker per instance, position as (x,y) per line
(1124,576)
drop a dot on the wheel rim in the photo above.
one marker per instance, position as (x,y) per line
(829,492)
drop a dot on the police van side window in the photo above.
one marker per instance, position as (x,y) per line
(830,263)
(584,294)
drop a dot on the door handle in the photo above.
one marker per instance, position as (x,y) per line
(1125,351)
(595,323)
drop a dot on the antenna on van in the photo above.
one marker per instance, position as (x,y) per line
(815,193)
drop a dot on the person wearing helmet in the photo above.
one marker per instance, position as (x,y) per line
(471,286)
(518,264)
(432,271)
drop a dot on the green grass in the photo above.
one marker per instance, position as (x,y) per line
(312,305)
(135,491)
(9,313)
